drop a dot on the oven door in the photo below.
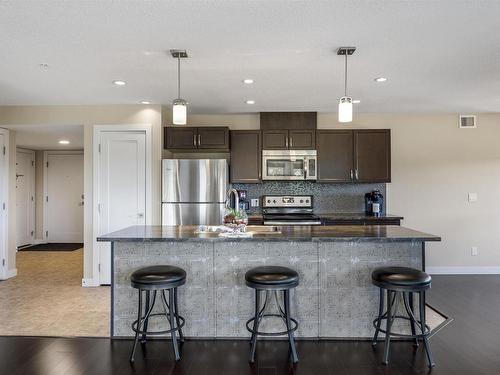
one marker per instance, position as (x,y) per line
(283,167)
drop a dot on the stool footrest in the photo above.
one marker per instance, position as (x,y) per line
(282,333)
(404,335)
(157,333)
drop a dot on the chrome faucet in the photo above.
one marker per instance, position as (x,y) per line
(234,192)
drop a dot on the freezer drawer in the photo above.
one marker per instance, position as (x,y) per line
(196,180)
(192,213)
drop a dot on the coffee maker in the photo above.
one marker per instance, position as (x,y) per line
(374,203)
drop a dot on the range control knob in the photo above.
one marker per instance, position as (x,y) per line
(274,200)
(307,200)
(301,201)
(268,201)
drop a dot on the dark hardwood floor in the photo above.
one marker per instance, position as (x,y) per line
(469,345)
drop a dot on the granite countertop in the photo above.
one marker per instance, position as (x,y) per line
(374,233)
(357,216)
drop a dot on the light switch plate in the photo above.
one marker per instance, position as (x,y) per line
(254,203)
(472,197)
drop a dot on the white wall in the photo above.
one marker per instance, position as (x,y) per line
(88,116)
(434,165)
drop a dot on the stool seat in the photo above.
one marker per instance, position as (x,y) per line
(272,277)
(157,277)
(401,277)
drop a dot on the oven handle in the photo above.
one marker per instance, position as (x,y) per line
(271,222)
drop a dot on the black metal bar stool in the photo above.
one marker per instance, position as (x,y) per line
(152,280)
(403,281)
(272,279)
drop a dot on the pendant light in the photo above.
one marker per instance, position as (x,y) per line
(179,105)
(345,102)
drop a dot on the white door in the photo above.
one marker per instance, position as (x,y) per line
(122,188)
(64,198)
(25,196)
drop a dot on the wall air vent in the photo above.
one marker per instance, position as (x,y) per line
(467,122)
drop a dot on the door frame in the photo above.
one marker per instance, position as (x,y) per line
(96,141)
(31,187)
(46,185)
(5,273)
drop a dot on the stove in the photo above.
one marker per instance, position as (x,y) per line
(289,210)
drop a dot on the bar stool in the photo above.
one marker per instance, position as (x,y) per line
(152,280)
(402,281)
(272,279)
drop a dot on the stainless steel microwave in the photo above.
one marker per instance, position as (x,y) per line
(279,165)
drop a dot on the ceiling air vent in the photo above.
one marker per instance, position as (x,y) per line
(467,122)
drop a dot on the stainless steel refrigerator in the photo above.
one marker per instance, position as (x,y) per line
(194,191)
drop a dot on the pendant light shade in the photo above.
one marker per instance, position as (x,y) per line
(345,102)
(179,112)
(179,105)
(345,109)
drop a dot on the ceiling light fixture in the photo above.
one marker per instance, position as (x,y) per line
(380,79)
(145,102)
(64,142)
(345,102)
(119,83)
(248,81)
(179,106)
(250,101)
(356,101)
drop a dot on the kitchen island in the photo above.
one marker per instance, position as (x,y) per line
(335,298)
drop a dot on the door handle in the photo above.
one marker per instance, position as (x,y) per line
(194,140)
(352,174)
(291,142)
(356,174)
(199,140)
(286,142)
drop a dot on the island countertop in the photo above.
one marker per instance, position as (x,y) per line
(327,233)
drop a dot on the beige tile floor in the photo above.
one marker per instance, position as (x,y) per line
(46,298)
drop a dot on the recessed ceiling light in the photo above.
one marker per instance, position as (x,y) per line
(248,81)
(380,79)
(64,142)
(145,102)
(43,66)
(356,101)
(119,83)
(250,101)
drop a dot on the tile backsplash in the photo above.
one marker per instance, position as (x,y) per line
(328,198)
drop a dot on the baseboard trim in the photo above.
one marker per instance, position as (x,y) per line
(463,270)
(88,283)
(39,242)
(11,273)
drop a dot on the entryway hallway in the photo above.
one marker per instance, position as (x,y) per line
(47,299)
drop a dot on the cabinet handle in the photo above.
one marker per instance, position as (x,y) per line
(356,174)
(199,140)
(291,142)
(352,174)
(194,140)
(286,142)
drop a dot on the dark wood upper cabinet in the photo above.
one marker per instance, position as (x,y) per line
(288,120)
(246,151)
(188,138)
(275,139)
(180,138)
(372,155)
(213,138)
(302,139)
(335,155)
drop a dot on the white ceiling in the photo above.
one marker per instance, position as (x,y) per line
(47,137)
(439,56)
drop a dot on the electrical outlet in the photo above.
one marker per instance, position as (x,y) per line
(255,202)
(473,251)
(472,197)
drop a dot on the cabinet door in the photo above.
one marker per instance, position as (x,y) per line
(372,155)
(215,137)
(335,155)
(180,138)
(246,149)
(275,139)
(302,139)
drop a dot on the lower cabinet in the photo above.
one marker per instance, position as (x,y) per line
(246,151)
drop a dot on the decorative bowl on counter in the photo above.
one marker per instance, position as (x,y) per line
(236,220)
